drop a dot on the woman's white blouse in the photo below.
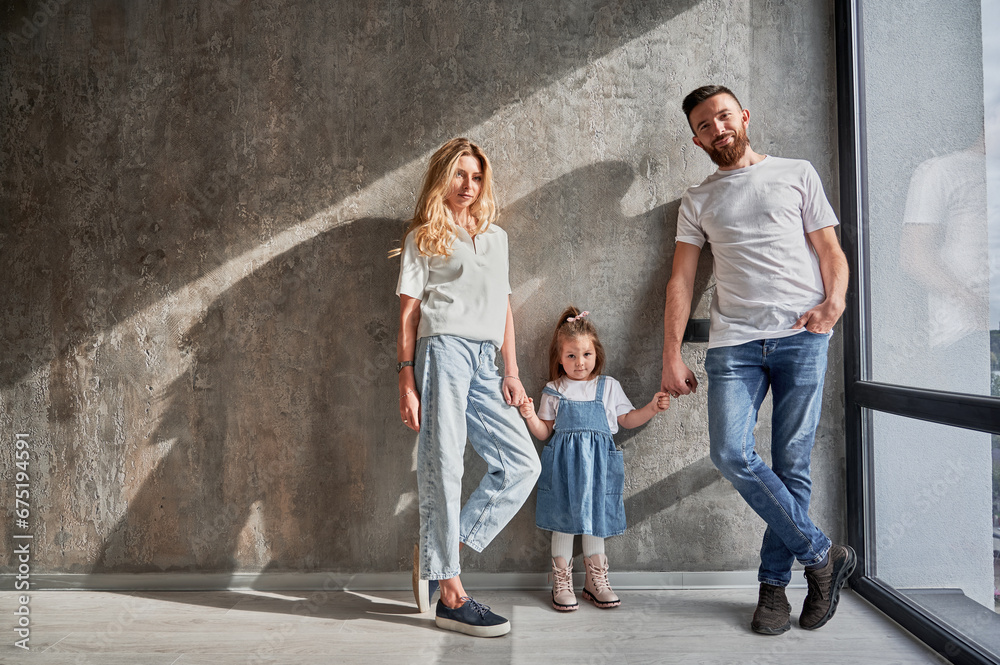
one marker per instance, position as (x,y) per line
(464,294)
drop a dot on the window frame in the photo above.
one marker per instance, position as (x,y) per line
(863,396)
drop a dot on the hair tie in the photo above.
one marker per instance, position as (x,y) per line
(579,316)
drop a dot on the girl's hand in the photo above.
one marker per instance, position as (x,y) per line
(513,391)
(527,409)
(660,402)
(409,409)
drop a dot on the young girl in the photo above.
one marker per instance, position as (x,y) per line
(583,474)
(454,319)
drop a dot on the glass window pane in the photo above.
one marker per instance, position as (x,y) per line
(936,536)
(931,242)
(991,98)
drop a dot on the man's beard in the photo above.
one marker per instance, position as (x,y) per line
(732,153)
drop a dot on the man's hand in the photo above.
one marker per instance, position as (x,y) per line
(821,318)
(677,379)
(833,268)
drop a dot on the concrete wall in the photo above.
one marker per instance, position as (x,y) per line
(198,197)
(929,288)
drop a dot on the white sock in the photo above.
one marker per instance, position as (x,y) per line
(592,545)
(562,545)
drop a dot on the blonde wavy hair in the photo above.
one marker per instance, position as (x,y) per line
(433,223)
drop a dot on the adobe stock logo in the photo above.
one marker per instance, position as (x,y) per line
(30,28)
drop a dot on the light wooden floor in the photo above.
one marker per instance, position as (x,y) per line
(226,628)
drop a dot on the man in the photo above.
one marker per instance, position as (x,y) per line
(781,280)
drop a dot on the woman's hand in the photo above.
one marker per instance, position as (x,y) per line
(409,410)
(513,391)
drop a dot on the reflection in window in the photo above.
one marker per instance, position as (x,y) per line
(991,103)
(932,126)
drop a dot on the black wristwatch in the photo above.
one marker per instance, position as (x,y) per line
(401,365)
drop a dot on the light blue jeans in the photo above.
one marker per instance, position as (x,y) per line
(461,398)
(738,379)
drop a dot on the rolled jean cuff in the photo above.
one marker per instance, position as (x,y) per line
(819,559)
(781,583)
(474,545)
(447,575)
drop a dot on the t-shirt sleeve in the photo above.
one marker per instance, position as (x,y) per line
(548,406)
(617,399)
(925,203)
(817,213)
(688,229)
(413,270)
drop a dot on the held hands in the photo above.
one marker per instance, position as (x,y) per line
(527,408)
(513,391)
(660,402)
(637,417)
(541,429)
(677,379)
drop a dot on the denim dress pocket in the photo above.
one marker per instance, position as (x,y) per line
(545,478)
(615,473)
(612,522)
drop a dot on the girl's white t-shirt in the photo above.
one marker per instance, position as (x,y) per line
(464,294)
(615,402)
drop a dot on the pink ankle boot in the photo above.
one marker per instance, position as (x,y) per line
(563,598)
(596,588)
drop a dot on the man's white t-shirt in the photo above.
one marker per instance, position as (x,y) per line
(947,194)
(615,402)
(766,271)
(464,294)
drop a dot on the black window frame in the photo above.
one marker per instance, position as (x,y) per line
(863,396)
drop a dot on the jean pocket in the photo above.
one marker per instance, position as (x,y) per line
(545,479)
(615,474)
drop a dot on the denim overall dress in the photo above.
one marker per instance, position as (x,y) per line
(583,474)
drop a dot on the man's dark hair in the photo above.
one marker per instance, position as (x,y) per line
(696,97)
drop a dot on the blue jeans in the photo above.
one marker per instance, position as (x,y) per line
(461,398)
(738,379)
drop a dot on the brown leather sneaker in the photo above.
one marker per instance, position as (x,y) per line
(773,611)
(563,598)
(824,587)
(596,588)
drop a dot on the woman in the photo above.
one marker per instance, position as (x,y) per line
(454,313)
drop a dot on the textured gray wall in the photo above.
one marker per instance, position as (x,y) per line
(198,198)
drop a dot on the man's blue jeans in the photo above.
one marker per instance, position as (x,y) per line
(738,379)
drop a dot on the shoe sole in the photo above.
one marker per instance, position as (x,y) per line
(475,631)
(601,604)
(421,588)
(835,586)
(763,630)
(564,608)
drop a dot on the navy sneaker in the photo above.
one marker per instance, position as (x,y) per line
(423,590)
(471,618)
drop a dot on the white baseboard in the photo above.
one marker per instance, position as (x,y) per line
(731,579)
